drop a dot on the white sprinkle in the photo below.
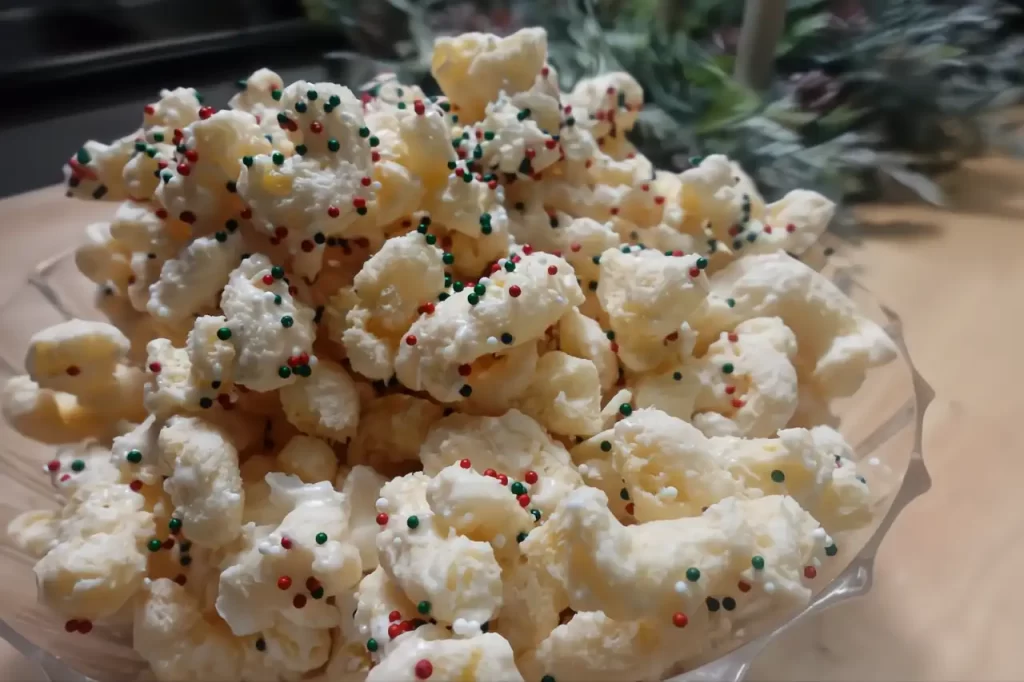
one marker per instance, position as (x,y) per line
(818,533)
(492,341)
(681,588)
(668,492)
(769,588)
(484,280)
(364,629)
(874,461)
(397,541)
(382,504)
(583,469)
(498,541)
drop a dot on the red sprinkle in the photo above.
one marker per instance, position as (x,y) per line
(307,245)
(428,308)
(161,213)
(767,229)
(503,479)
(530,477)
(286,542)
(729,390)
(187,217)
(524,500)
(575,247)
(149,109)
(552,269)
(494,268)
(733,231)
(394,615)
(465,371)
(299,601)
(53,465)
(394,630)
(333,211)
(268,279)
(645,187)
(810,572)
(85,627)
(135,486)
(155,367)
(206,112)
(181,579)
(411,339)
(65,478)
(530,153)
(284,583)
(514,291)
(465,463)
(246,213)
(672,337)
(614,346)
(659,200)
(694,272)
(312,583)
(791,228)
(168,543)
(614,210)
(71,625)
(375,156)
(629,508)
(192,155)
(183,169)
(680,620)
(316,127)
(424,669)
(545,71)
(490,472)
(418,107)
(737,403)
(550,144)
(734,337)
(527,249)
(744,586)
(678,253)
(382,519)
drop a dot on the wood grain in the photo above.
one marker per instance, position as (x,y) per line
(946,603)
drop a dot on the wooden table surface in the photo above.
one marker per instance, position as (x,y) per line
(946,604)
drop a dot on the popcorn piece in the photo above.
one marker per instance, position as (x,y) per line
(212,151)
(97,562)
(480,508)
(204,482)
(391,429)
(469,206)
(459,577)
(792,224)
(708,196)
(464,329)
(512,444)
(647,296)
(836,344)
(474,67)
(518,144)
(260,507)
(311,459)
(384,300)
(75,357)
(192,282)
(581,337)
(51,417)
(139,228)
(95,170)
(175,109)
(326,404)
(141,174)
(501,379)
(613,98)
(287,572)
(582,546)
(377,597)
(101,258)
(565,395)
(484,657)
(745,385)
(361,488)
(265,333)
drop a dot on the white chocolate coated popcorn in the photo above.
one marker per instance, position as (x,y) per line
(353,339)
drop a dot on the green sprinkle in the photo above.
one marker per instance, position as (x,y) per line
(479,289)
(831,550)
(277,272)
(728,368)
(423,607)
(466,391)
(757,561)
(277,299)
(693,574)
(702,262)
(276,95)
(517,488)
(334,100)
(154,545)
(731,302)
(536,514)
(596,260)
(303,370)
(520,537)
(300,107)
(134,456)
(413,521)
(185,560)
(509,266)
(489,135)
(523,114)
(677,376)
(473,299)
(312,94)
(241,84)
(174,525)
(448,258)
(374,141)
(547,678)
(284,372)
(247,161)
(333,145)
(778,476)
(318,593)
(506,339)
(301,149)
(430,239)
(77,465)
(625,409)
(371,645)
(231,225)
(206,403)
(458,286)
(364,132)
(83,156)
(321,538)
(220,236)
(287,321)
(624,494)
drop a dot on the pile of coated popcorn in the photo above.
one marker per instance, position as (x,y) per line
(398,387)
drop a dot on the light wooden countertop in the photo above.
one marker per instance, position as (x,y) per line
(946,604)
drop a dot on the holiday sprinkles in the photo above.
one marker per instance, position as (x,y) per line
(387,374)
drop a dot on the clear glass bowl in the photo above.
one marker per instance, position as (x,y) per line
(883,421)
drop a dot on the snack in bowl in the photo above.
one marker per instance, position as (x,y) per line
(451,387)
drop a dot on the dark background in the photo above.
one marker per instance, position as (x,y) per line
(72,70)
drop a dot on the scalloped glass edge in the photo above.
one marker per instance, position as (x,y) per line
(853,581)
